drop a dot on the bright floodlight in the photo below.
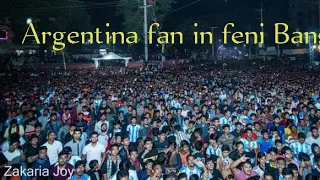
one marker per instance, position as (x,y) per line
(314,46)
(235,48)
(29,20)
(244,45)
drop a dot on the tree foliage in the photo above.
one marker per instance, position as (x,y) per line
(132,13)
(47,15)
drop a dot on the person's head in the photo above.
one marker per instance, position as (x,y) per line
(133,120)
(190,160)
(63,157)
(104,127)
(52,135)
(267,176)
(226,129)
(197,133)
(114,149)
(305,158)
(94,137)
(272,151)
(249,133)
(13,123)
(76,134)
(42,152)
(302,122)
(314,132)
(265,134)
(279,144)
(79,168)
(13,144)
(123,175)
(34,140)
(148,143)
(301,137)
(157,170)
(162,136)
(133,154)
(225,150)
(149,165)
(240,146)
(261,157)
(281,164)
(185,147)
(287,174)
(171,176)
(294,169)
(94,164)
(182,176)
(210,164)
(198,145)
(213,139)
(287,152)
(194,177)
(246,167)
(125,140)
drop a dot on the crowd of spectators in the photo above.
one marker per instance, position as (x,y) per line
(188,122)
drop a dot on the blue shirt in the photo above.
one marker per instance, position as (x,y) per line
(265,145)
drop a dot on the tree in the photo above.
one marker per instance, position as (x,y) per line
(132,14)
(47,15)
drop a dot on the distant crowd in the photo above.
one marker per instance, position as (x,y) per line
(187,122)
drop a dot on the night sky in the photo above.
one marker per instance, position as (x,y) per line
(215,12)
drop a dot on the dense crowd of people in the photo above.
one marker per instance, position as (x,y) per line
(188,122)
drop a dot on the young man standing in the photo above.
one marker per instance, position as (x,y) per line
(94,150)
(54,147)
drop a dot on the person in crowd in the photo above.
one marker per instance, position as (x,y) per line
(76,144)
(54,147)
(111,166)
(62,170)
(94,151)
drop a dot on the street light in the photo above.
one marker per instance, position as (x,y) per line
(213,41)
(29,20)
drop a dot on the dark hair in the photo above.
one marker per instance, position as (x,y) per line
(67,149)
(293,166)
(194,177)
(148,139)
(182,176)
(301,135)
(94,133)
(303,156)
(122,174)
(161,159)
(133,150)
(79,163)
(225,148)
(113,145)
(198,145)
(287,171)
(264,131)
(93,163)
(42,148)
(78,130)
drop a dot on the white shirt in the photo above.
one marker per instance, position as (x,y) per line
(184,113)
(94,152)
(53,151)
(103,139)
(11,155)
(317,105)
(97,127)
(310,140)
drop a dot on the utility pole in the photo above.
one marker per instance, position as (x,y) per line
(262,29)
(212,46)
